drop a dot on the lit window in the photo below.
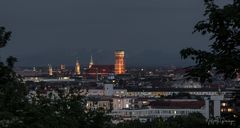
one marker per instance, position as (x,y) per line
(175,112)
(230,110)
(224,104)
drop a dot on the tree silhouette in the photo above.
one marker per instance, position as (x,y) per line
(223,26)
(20,110)
(12,91)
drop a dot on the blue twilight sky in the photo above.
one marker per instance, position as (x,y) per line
(152,32)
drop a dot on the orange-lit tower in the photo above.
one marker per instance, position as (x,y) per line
(77,68)
(119,62)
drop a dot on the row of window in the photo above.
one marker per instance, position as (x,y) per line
(149,112)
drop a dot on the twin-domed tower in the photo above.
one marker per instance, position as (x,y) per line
(119,66)
(78,66)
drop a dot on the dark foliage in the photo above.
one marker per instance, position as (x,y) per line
(193,120)
(19,109)
(222,24)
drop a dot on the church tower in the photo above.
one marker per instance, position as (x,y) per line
(77,68)
(119,62)
(91,62)
(50,70)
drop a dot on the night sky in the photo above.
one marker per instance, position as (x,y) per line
(152,32)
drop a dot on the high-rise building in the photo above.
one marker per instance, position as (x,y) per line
(77,68)
(50,70)
(119,62)
(91,62)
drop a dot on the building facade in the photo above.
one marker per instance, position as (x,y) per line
(119,62)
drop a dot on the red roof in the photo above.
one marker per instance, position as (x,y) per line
(101,69)
(177,104)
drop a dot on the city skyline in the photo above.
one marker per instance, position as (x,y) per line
(120,64)
(151,32)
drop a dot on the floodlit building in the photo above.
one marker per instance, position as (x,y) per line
(120,103)
(119,62)
(99,102)
(164,109)
(77,68)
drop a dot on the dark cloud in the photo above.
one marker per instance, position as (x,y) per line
(57,31)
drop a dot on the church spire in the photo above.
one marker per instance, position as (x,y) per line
(77,67)
(91,62)
(50,70)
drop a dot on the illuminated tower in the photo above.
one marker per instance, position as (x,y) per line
(50,70)
(119,62)
(77,68)
(90,63)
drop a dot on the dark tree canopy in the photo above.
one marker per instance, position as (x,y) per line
(12,90)
(18,109)
(222,24)
(4,36)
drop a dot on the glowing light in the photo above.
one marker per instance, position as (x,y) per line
(77,68)
(119,62)
(50,70)
(66,78)
(230,110)
(224,104)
